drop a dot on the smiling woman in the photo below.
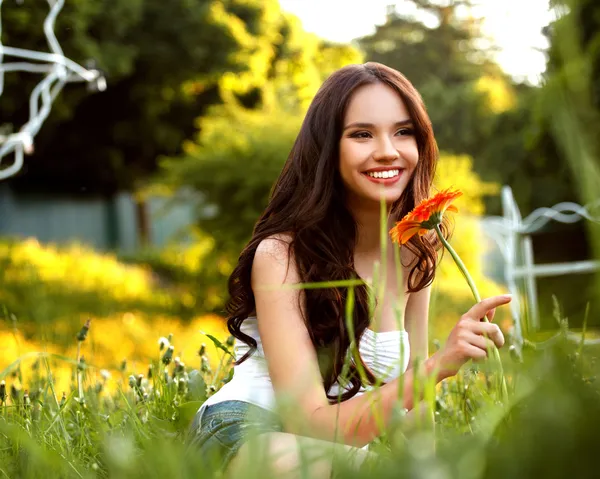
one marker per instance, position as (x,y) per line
(366,136)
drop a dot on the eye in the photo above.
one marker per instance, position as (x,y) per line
(361,134)
(405,132)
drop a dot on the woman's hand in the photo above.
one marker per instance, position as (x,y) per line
(468,340)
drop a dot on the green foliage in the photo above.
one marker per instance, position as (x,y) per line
(239,151)
(165,65)
(151,52)
(196,273)
(135,424)
(573,88)
(238,156)
(101,427)
(47,284)
(570,105)
(446,52)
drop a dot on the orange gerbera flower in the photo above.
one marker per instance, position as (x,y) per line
(425,216)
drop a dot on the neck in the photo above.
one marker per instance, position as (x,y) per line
(368,219)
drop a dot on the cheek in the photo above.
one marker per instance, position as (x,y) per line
(348,159)
(411,155)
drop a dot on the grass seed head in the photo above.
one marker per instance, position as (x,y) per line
(205,365)
(163,343)
(2,391)
(84,331)
(168,356)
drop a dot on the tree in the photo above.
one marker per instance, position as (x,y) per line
(449,52)
(156,55)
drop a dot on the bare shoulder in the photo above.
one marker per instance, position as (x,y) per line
(273,261)
(275,247)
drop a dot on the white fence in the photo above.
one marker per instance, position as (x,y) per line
(512,234)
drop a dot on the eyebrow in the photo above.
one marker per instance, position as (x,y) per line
(359,124)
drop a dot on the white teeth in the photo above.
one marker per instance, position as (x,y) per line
(383,174)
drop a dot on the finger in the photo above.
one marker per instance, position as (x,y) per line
(481,342)
(490,314)
(480,309)
(475,352)
(490,330)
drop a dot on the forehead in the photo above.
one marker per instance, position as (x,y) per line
(376,103)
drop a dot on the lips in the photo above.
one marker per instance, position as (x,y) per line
(383,175)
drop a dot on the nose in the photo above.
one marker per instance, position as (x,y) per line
(386,150)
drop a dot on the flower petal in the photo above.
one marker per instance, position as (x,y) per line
(409,233)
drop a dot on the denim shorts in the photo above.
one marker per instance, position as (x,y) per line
(218,432)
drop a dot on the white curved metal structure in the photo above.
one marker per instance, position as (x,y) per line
(512,234)
(59,70)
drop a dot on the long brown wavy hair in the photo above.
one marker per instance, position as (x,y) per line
(307,203)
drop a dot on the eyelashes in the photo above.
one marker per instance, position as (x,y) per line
(363,135)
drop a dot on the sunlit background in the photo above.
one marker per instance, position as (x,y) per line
(514,27)
(145,179)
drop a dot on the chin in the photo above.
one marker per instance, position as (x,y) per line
(390,197)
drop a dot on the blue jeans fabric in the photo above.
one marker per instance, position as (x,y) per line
(218,432)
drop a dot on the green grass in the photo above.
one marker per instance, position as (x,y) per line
(548,427)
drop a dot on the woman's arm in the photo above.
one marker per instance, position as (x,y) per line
(293,366)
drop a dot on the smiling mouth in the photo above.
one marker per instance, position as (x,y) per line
(383,175)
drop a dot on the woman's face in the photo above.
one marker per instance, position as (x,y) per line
(378,148)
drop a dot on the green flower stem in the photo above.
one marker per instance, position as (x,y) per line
(463,269)
(459,263)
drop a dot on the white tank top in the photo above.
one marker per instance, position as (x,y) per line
(386,354)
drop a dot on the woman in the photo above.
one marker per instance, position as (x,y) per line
(366,134)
